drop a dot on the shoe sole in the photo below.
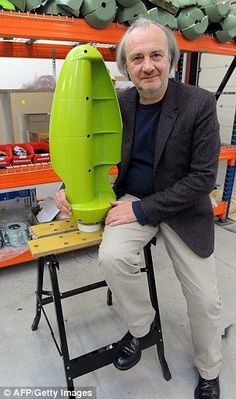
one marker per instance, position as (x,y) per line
(128,367)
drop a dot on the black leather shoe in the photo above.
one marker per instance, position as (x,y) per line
(129,350)
(207,389)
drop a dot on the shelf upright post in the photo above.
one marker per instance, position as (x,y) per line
(229,178)
(179,71)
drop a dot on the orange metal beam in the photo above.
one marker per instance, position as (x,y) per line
(206,44)
(31,174)
(36,50)
(220,209)
(228,153)
(27,175)
(24,257)
(36,26)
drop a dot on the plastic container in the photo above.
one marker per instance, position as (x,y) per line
(5,160)
(22,159)
(40,157)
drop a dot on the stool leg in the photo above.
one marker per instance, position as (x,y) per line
(109,297)
(52,265)
(40,273)
(154,300)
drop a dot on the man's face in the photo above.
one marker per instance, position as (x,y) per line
(147,62)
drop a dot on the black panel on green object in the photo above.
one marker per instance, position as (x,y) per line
(127,14)
(103,16)
(72,6)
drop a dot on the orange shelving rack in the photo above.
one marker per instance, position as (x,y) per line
(35,27)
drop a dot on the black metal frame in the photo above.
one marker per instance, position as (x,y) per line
(103,356)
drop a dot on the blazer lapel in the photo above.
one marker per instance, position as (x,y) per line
(129,125)
(166,123)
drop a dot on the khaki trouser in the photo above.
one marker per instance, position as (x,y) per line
(120,256)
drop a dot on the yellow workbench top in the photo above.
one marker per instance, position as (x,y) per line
(60,236)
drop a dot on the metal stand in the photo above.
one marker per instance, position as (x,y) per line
(103,356)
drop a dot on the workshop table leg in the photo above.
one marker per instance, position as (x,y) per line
(53,264)
(40,273)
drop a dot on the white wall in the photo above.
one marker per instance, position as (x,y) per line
(213,70)
(14,72)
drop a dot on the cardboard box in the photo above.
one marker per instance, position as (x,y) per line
(36,126)
(38,136)
(25,198)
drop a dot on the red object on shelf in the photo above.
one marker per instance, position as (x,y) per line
(5,160)
(40,145)
(22,159)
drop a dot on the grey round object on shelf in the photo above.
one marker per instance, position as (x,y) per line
(127,3)
(187,3)
(72,6)
(196,30)
(99,14)
(203,3)
(89,6)
(19,4)
(217,11)
(167,19)
(189,16)
(130,13)
(151,15)
(53,8)
(228,24)
(170,5)
(223,36)
(32,4)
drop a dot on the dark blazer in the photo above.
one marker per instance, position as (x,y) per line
(185,162)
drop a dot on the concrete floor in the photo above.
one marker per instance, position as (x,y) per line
(30,358)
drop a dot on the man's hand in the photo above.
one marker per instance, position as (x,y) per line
(62,203)
(120,213)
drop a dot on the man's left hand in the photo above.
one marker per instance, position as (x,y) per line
(120,213)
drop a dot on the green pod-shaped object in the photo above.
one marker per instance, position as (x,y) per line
(85,133)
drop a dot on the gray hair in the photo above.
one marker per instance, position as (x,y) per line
(143,23)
